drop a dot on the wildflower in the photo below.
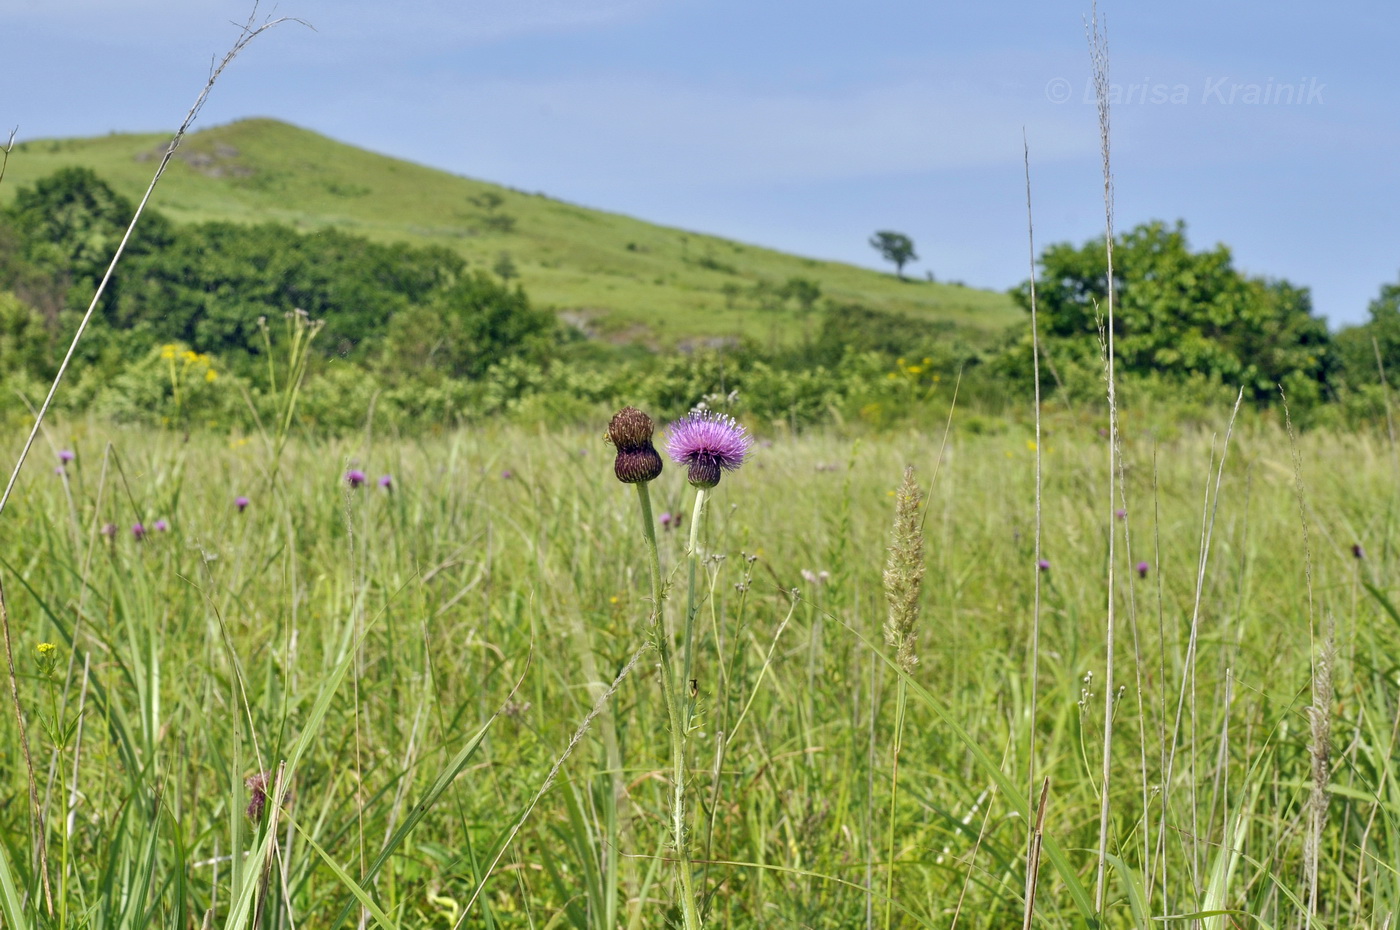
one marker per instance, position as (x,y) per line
(258,785)
(507,474)
(1043,565)
(354,477)
(1142,568)
(1120,513)
(109,530)
(630,432)
(160,526)
(46,657)
(138,531)
(666,519)
(709,443)
(387,482)
(58,470)
(241,503)
(1357,552)
(65,456)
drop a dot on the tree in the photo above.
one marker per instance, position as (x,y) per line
(896,248)
(1178,312)
(1358,346)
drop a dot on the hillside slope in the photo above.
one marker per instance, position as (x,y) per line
(614,276)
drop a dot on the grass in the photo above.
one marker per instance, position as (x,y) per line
(617,277)
(366,639)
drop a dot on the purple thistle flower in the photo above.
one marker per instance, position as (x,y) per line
(507,474)
(354,477)
(665,519)
(138,531)
(1043,565)
(709,443)
(1357,552)
(65,455)
(1120,513)
(109,530)
(241,503)
(160,526)
(1142,568)
(387,482)
(58,470)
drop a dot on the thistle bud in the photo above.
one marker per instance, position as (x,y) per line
(637,459)
(630,430)
(637,465)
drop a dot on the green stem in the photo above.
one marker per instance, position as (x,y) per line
(692,608)
(901,699)
(690,913)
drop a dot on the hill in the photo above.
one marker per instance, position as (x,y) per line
(613,276)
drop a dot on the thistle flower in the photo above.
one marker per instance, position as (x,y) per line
(1120,513)
(65,456)
(1043,565)
(904,573)
(507,474)
(109,530)
(138,531)
(709,443)
(354,477)
(1142,568)
(241,503)
(387,482)
(637,460)
(665,520)
(160,526)
(1357,552)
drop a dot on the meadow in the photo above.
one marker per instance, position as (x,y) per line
(415,660)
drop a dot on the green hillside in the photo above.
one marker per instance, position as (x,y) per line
(616,277)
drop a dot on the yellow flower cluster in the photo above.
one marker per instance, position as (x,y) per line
(171,352)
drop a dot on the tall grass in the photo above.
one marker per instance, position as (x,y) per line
(201,656)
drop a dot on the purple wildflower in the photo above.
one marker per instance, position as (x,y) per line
(138,531)
(665,519)
(1357,552)
(241,503)
(109,530)
(58,470)
(354,477)
(65,456)
(387,482)
(160,526)
(1142,568)
(709,443)
(1043,565)
(507,474)
(1120,513)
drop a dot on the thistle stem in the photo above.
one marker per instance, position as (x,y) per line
(692,608)
(689,912)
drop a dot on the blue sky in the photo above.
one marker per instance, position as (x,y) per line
(804,126)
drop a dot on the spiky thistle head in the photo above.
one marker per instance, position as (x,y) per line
(904,573)
(708,444)
(637,460)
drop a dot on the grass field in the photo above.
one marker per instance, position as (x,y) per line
(618,278)
(366,637)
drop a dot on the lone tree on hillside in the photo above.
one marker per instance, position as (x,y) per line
(895,247)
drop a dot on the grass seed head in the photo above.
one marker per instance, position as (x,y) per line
(904,573)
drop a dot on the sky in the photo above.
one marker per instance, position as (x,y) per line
(1271,127)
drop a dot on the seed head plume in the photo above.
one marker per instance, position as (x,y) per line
(904,573)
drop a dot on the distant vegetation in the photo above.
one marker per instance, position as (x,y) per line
(424,336)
